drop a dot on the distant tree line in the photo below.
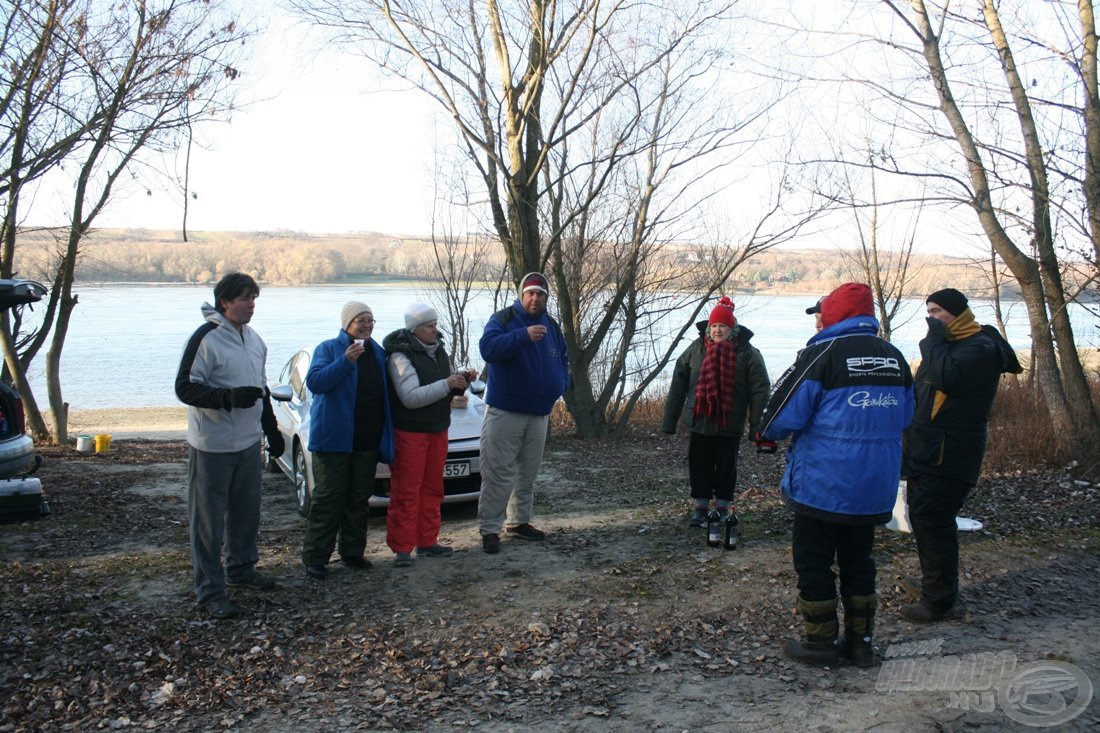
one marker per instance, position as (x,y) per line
(298,258)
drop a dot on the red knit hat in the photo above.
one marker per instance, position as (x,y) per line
(722,313)
(847,301)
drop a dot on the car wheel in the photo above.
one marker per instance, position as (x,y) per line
(301,481)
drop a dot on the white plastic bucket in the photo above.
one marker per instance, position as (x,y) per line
(85,443)
(900,520)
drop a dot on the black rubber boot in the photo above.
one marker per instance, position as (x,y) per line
(859,626)
(819,647)
(922,613)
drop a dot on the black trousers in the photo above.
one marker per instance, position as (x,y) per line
(816,544)
(712,466)
(934,502)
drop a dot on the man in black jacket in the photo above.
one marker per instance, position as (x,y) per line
(961,366)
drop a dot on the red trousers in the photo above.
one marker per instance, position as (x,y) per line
(416,490)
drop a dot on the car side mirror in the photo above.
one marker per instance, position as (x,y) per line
(477,387)
(282,393)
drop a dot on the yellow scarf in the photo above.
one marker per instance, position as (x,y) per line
(964,326)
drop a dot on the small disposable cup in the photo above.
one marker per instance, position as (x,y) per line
(359,342)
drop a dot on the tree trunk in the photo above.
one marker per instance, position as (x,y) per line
(588,416)
(1092,122)
(1078,397)
(1024,268)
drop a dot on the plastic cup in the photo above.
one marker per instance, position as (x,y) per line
(360,342)
(102,443)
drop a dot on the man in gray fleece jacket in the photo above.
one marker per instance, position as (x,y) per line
(222,380)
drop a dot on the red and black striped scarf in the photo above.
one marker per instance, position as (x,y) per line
(714,390)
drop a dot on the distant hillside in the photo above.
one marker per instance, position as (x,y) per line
(292,258)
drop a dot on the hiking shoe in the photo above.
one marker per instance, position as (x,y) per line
(357,562)
(221,608)
(526,532)
(254,579)
(698,517)
(490,543)
(910,585)
(403,560)
(316,572)
(436,550)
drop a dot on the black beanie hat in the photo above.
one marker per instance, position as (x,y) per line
(949,299)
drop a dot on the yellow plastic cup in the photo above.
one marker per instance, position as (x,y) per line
(102,443)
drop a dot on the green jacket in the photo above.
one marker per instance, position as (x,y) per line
(750,383)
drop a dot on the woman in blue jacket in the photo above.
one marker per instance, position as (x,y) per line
(351,430)
(845,403)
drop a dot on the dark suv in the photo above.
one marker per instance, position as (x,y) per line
(17,456)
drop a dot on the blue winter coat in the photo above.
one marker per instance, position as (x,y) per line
(846,401)
(525,376)
(333,380)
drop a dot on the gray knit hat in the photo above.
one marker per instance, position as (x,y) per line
(418,314)
(351,310)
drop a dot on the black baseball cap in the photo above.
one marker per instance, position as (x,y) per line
(816,307)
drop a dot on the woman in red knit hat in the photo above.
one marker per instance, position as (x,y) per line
(722,381)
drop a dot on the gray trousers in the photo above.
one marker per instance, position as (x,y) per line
(223,506)
(511,453)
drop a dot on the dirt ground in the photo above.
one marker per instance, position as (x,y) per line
(623,619)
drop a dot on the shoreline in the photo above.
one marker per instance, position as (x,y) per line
(129,423)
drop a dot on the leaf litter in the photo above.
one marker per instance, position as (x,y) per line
(622,615)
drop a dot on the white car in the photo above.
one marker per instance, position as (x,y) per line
(291,400)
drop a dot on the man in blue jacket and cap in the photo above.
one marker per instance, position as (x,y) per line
(528,373)
(845,403)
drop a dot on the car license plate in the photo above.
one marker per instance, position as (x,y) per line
(456,469)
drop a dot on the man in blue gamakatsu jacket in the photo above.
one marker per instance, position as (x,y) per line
(845,403)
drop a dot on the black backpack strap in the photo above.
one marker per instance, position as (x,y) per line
(505,315)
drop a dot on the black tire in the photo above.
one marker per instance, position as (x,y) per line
(302,483)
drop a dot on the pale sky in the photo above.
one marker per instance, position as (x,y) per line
(313,152)
(317,148)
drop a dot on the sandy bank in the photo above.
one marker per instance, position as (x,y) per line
(127,423)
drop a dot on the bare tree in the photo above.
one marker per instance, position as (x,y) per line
(889,270)
(129,77)
(1004,171)
(598,131)
(36,133)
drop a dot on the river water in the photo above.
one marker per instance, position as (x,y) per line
(125,341)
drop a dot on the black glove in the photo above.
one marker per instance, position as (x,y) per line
(275,444)
(242,397)
(936,327)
